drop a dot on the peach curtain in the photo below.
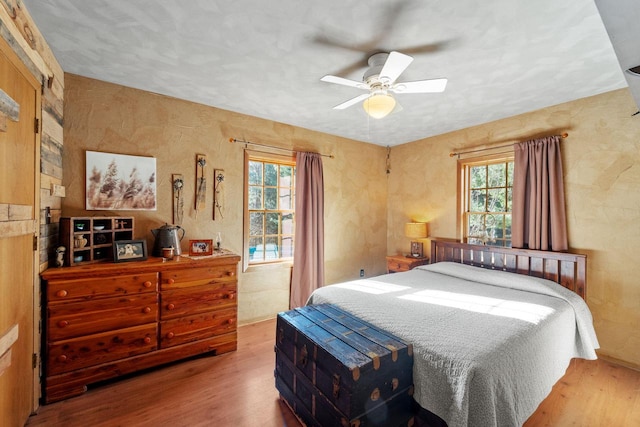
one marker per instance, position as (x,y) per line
(539,218)
(308,256)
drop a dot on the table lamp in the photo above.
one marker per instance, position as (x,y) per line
(416,230)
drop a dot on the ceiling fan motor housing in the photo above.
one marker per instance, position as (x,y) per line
(376,62)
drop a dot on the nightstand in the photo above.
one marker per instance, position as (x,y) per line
(398,263)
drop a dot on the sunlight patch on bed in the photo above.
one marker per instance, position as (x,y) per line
(532,313)
(371,287)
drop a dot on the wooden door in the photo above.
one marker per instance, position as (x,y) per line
(19,178)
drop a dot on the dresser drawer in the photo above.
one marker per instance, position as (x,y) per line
(395,266)
(198,299)
(90,350)
(198,276)
(197,327)
(99,315)
(89,288)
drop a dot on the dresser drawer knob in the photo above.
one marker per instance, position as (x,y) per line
(62,358)
(147,284)
(230,295)
(62,293)
(171,335)
(171,281)
(63,323)
(171,306)
(147,340)
(231,321)
(232,273)
(146,310)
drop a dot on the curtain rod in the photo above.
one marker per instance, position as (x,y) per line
(273,147)
(453,154)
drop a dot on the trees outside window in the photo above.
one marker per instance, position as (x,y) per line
(270,206)
(486,198)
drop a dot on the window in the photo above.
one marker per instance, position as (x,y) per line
(487,190)
(269,208)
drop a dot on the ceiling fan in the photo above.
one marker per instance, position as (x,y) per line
(380,81)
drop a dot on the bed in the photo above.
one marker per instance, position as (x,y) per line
(493,329)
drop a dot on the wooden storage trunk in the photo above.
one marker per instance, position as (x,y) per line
(334,369)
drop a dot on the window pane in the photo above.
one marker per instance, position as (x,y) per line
(256,224)
(509,200)
(272,223)
(478,200)
(255,243)
(255,173)
(255,197)
(286,176)
(286,226)
(497,200)
(476,223)
(497,175)
(286,201)
(507,226)
(496,229)
(270,174)
(478,176)
(271,248)
(286,248)
(271,198)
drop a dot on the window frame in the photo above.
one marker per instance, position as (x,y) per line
(252,155)
(464,196)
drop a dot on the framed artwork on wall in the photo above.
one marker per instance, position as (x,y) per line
(118,182)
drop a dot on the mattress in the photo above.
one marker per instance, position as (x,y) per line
(488,345)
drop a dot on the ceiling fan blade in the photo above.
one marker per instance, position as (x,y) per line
(420,86)
(352,101)
(427,48)
(394,66)
(345,82)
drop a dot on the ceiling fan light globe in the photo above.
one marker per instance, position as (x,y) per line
(379,106)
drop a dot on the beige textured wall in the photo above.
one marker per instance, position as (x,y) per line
(602,182)
(105,117)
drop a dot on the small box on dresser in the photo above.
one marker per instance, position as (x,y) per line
(334,369)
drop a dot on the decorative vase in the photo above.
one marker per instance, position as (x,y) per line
(80,241)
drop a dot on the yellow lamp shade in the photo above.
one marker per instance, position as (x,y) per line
(415,230)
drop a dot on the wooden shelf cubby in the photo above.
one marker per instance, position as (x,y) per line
(90,239)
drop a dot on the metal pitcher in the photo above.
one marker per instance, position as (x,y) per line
(167,236)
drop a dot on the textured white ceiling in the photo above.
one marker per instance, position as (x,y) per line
(266,58)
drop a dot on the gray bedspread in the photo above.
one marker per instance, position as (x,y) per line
(488,345)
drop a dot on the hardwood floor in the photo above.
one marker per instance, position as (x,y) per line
(237,390)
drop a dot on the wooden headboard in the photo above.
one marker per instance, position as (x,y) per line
(569,270)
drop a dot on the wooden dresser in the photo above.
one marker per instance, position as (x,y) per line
(106,320)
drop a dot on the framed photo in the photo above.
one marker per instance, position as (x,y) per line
(129,250)
(200,247)
(118,182)
(417,250)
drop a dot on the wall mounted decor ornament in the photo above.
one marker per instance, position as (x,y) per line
(218,193)
(120,182)
(201,182)
(178,198)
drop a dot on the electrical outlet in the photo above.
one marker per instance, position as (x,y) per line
(362,272)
